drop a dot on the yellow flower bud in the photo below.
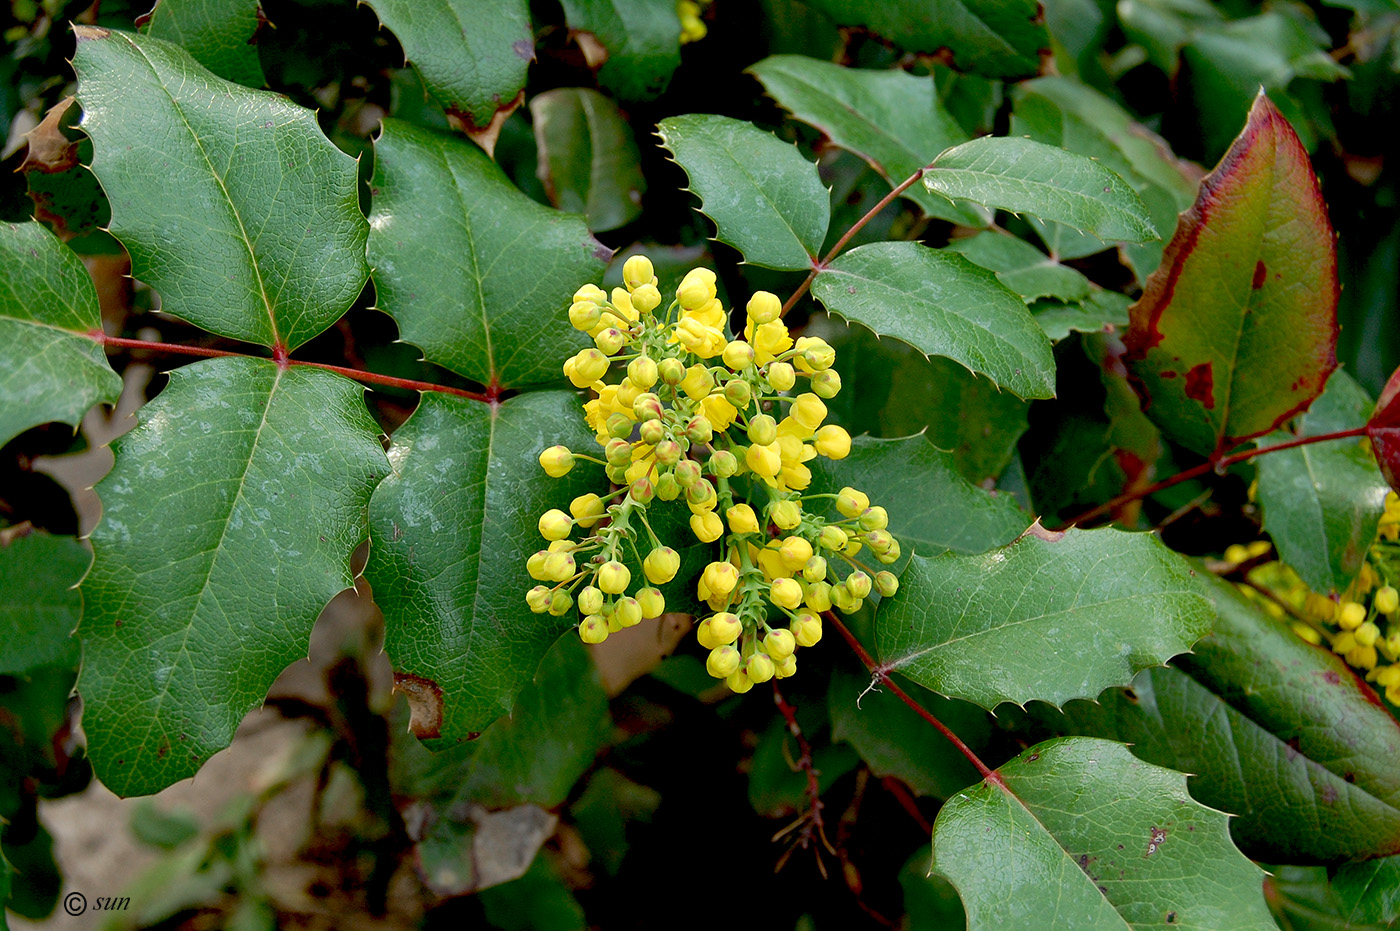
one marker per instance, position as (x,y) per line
(763,429)
(701,496)
(886,583)
(593,629)
(833,442)
(628,612)
(1350,615)
(707,526)
(672,371)
(720,577)
(535,566)
(814,570)
(637,271)
(738,355)
(560,603)
(785,667)
(646,298)
(719,629)
(739,682)
(826,384)
(858,584)
(661,565)
(833,538)
(759,667)
(697,382)
(610,341)
(538,599)
(591,293)
(1387,600)
(589,365)
(764,307)
(1236,553)
(559,567)
(1367,634)
(764,461)
(816,355)
(696,289)
(785,593)
(809,411)
(779,644)
(781,376)
(590,600)
(722,661)
(851,503)
(875,518)
(652,601)
(614,577)
(742,519)
(795,552)
(806,630)
(555,524)
(584,315)
(785,515)
(642,372)
(557,461)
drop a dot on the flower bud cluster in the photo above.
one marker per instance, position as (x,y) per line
(727,425)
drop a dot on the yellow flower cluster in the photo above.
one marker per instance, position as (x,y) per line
(722,423)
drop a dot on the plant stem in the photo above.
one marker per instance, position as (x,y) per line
(1217,464)
(812,825)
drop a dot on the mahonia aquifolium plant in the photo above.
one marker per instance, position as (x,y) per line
(733,438)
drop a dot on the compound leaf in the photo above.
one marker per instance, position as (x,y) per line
(228,523)
(217,33)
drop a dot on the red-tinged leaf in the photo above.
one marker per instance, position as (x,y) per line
(1384,431)
(1236,331)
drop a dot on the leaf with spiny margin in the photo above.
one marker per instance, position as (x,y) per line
(1098,312)
(217,33)
(1044,181)
(1278,732)
(1078,833)
(588,158)
(932,508)
(998,39)
(641,40)
(891,119)
(52,369)
(450,531)
(1322,502)
(473,55)
(943,305)
(765,198)
(39,601)
(1049,617)
(475,273)
(234,206)
(228,523)
(1236,331)
(1022,267)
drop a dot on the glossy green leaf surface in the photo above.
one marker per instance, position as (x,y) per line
(943,305)
(473,55)
(228,523)
(53,370)
(765,198)
(217,33)
(1369,892)
(589,162)
(891,119)
(1322,502)
(449,237)
(991,38)
(1095,314)
(1083,835)
(1049,617)
(233,205)
(932,508)
(39,601)
(641,39)
(1274,730)
(1023,268)
(450,531)
(1236,331)
(1044,181)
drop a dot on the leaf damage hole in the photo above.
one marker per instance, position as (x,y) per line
(424,704)
(1158,837)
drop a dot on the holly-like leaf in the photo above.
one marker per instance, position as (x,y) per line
(66,195)
(1023,268)
(1044,181)
(228,523)
(891,119)
(766,199)
(991,38)
(53,370)
(474,272)
(473,55)
(217,33)
(589,162)
(1101,311)
(1322,502)
(39,601)
(1383,430)
(932,508)
(1049,617)
(634,44)
(450,531)
(942,305)
(1236,332)
(1277,732)
(231,202)
(1077,833)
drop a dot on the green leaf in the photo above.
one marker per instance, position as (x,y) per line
(1049,617)
(474,272)
(228,523)
(942,305)
(1101,310)
(1236,331)
(473,55)
(891,119)
(932,508)
(1278,732)
(53,370)
(1077,833)
(1369,892)
(930,901)
(538,900)
(588,157)
(1044,181)
(766,199)
(39,601)
(450,531)
(1022,267)
(219,34)
(231,202)
(1322,503)
(640,38)
(991,38)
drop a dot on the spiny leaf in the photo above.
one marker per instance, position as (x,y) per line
(1383,430)
(53,369)
(942,305)
(1044,181)
(228,523)
(640,42)
(217,33)
(1023,268)
(474,272)
(589,161)
(1236,332)
(39,601)
(1077,833)
(231,202)
(767,201)
(1049,617)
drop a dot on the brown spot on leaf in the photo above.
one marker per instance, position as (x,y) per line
(1040,533)
(1261,274)
(86,33)
(424,704)
(523,48)
(1200,384)
(1331,677)
(1155,841)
